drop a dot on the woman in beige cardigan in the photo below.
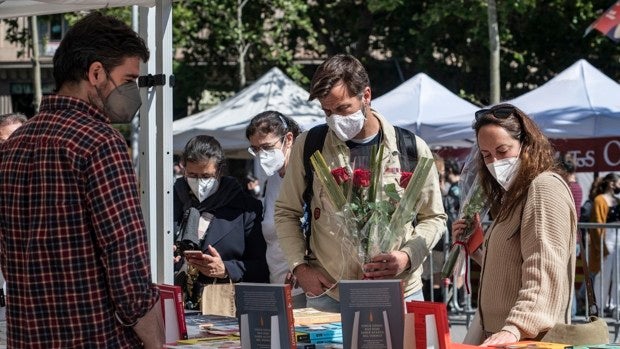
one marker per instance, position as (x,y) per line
(528,254)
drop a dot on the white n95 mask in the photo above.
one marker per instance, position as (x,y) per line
(271,161)
(504,171)
(346,127)
(202,187)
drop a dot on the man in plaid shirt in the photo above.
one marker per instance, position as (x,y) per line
(73,241)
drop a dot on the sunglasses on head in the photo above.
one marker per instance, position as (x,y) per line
(499,112)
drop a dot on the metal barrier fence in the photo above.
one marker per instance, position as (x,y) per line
(467,307)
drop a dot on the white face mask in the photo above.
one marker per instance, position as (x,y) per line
(505,171)
(202,187)
(271,161)
(346,127)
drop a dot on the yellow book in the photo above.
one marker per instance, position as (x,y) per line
(533,345)
(309,316)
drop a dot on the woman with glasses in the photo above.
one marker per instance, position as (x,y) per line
(218,224)
(528,253)
(271,135)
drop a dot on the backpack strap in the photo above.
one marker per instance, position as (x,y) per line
(314,141)
(407,149)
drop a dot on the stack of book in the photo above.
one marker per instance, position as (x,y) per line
(319,333)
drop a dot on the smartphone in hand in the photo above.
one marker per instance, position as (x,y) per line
(193,254)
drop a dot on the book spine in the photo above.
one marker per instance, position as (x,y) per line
(302,337)
(178,295)
(290,320)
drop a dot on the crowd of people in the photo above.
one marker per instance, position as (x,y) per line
(74,245)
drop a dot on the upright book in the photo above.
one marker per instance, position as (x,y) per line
(372,313)
(174,312)
(265,313)
(431,324)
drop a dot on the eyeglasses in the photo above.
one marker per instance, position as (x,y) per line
(201,176)
(499,112)
(254,150)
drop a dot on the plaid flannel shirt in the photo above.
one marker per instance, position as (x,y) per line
(73,243)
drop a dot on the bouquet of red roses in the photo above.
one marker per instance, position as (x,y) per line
(373,204)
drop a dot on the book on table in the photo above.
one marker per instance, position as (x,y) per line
(372,313)
(265,315)
(431,324)
(173,311)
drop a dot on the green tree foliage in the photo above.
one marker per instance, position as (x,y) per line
(212,41)
(449,41)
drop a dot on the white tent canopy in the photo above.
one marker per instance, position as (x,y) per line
(227,121)
(19,8)
(428,109)
(579,102)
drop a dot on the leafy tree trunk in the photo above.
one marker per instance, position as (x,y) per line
(36,65)
(242,45)
(494,53)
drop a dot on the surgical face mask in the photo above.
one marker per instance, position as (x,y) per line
(346,127)
(271,161)
(505,171)
(202,187)
(123,103)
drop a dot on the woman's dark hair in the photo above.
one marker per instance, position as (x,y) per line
(204,148)
(536,156)
(95,38)
(606,183)
(339,68)
(272,122)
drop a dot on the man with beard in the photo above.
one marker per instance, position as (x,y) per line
(73,239)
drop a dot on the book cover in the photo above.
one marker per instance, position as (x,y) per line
(316,332)
(265,315)
(438,324)
(171,299)
(372,313)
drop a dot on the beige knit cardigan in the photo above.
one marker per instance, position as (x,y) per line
(529,263)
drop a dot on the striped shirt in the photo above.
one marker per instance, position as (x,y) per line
(73,242)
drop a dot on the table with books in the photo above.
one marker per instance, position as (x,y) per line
(313,329)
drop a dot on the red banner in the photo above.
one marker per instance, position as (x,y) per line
(592,154)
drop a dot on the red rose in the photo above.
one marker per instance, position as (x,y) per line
(361,178)
(405,177)
(340,175)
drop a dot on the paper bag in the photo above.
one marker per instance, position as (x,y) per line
(218,299)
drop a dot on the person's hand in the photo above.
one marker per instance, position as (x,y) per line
(209,265)
(311,280)
(501,337)
(459,226)
(176,258)
(387,265)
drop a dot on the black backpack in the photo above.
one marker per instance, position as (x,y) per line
(408,156)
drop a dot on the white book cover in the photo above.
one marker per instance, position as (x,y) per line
(171,323)
(432,340)
(244,330)
(275,333)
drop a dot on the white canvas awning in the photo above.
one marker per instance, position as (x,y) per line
(21,8)
(428,109)
(227,121)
